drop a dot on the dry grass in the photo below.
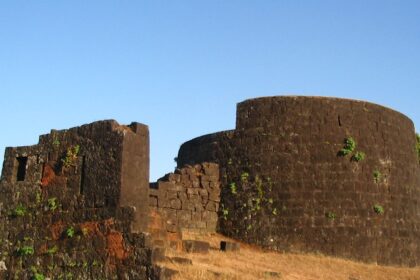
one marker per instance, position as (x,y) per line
(254,263)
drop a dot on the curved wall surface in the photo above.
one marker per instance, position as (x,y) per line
(288,184)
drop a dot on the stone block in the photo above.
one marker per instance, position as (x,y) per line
(179,260)
(165,186)
(209,216)
(214,196)
(171,216)
(175,204)
(211,169)
(171,194)
(163,273)
(195,183)
(184,217)
(153,201)
(212,206)
(172,227)
(194,246)
(174,177)
(200,224)
(192,191)
(196,216)
(227,246)
(158,254)
(215,185)
(211,226)
(190,205)
(203,193)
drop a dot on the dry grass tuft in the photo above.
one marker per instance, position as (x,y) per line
(254,263)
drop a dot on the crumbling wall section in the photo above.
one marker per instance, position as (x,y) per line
(62,210)
(187,200)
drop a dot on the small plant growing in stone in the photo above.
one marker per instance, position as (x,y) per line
(378,209)
(56,142)
(52,203)
(36,275)
(70,232)
(377,176)
(331,216)
(52,251)
(349,147)
(358,156)
(38,197)
(225,212)
(25,251)
(244,176)
(233,188)
(71,156)
(19,211)
(274,212)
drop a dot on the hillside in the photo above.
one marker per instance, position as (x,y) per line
(254,263)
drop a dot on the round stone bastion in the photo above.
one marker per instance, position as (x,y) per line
(319,175)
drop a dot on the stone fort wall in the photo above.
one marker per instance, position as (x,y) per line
(79,205)
(67,211)
(308,174)
(302,174)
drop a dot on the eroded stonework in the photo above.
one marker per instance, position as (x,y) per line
(310,174)
(301,174)
(68,211)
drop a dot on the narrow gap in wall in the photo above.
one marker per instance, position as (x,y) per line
(82,176)
(339,120)
(21,168)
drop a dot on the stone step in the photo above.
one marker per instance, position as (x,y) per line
(179,260)
(159,243)
(163,273)
(227,246)
(159,254)
(194,246)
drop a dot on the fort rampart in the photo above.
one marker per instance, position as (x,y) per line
(301,174)
(310,174)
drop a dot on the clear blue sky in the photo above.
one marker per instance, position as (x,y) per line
(181,66)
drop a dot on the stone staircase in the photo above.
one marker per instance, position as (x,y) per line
(162,240)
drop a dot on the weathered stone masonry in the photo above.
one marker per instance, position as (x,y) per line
(72,208)
(304,174)
(187,200)
(285,185)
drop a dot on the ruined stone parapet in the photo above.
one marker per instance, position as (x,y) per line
(312,174)
(187,200)
(74,205)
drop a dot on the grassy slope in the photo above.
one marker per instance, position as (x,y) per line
(254,263)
